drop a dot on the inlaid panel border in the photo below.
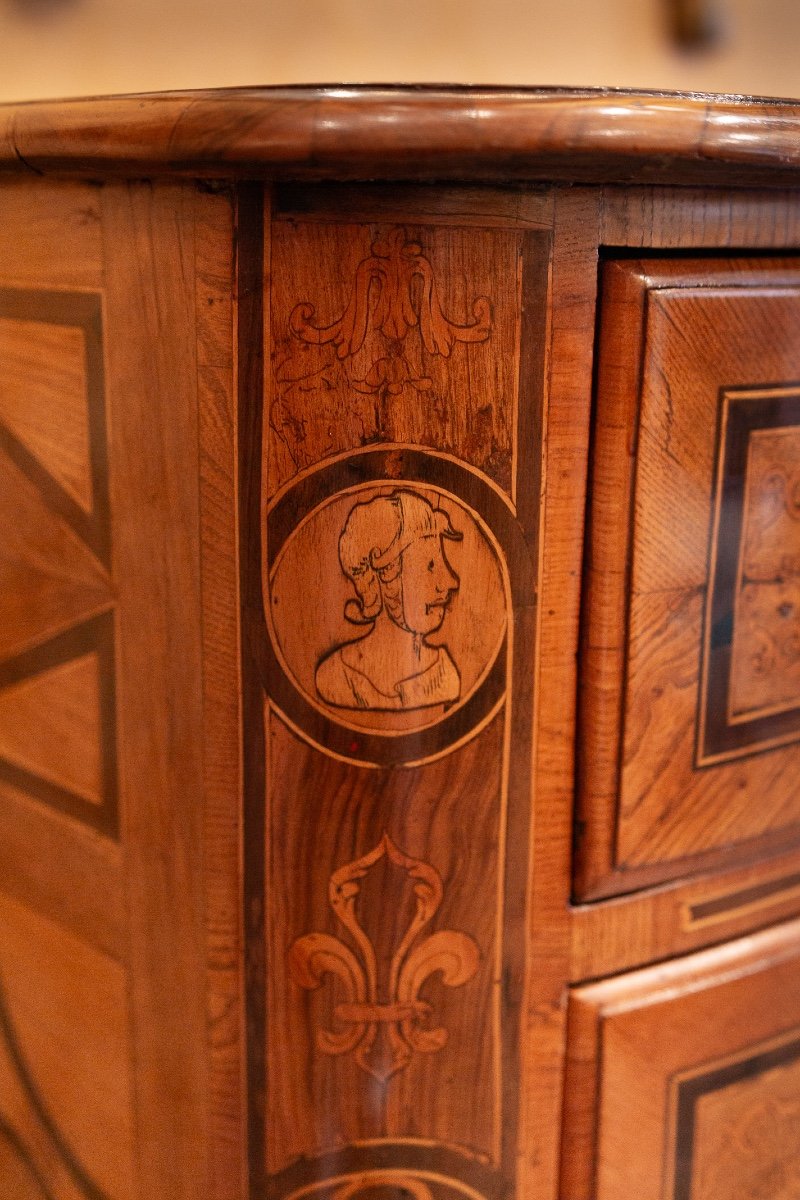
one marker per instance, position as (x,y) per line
(95,635)
(742,413)
(84,311)
(85,1184)
(411,1155)
(412,465)
(713,1077)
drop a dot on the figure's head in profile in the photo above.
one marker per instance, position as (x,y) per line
(392,550)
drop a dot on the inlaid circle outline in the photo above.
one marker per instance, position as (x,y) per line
(400,467)
(416,717)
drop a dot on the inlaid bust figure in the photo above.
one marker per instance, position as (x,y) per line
(392,549)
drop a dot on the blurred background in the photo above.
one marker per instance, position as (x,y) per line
(54,48)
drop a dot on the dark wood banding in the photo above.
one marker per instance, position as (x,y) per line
(760,895)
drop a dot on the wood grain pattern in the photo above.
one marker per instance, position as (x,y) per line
(420,812)
(215,225)
(152,382)
(386,871)
(636,1044)
(765,675)
(744,1128)
(65,1007)
(424,359)
(702,328)
(60,867)
(434,132)
(428,472)
(47,363)
(683,915)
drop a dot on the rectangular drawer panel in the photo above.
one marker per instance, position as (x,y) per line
(691,666)
(684,1079)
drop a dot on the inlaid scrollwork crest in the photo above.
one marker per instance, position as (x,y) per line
(393,292)
(384,1021)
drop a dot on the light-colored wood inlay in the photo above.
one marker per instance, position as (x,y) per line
(405,611)
(392,334)
(68,1006)
(449,820)
(43,399)
(51,724)
(765,669)
(746,1138)
(50,579)
(386,1020)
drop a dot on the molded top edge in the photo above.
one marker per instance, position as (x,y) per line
(430,132)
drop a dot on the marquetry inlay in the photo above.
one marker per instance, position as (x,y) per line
(57,658)
(751,675)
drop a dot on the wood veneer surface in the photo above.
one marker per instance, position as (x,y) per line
(375,132)
(341,921)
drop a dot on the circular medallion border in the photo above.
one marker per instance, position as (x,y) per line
(399,469)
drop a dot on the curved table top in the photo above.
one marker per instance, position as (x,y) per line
(381,132)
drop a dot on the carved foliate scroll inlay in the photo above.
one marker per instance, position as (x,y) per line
(384,1021)
(392,334)
(394,292)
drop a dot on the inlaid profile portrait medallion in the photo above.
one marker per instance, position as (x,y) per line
(388,606)
(392,550)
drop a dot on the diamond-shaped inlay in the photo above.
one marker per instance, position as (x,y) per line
(57,722)
(49,362)
(57,689)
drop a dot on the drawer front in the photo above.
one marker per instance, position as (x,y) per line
(684,1080)
(691,667)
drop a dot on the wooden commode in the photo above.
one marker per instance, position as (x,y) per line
(400,646)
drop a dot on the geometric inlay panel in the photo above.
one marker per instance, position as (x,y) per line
(737,1124)
(57,663)
(61,367)
(47,363)
(57,722)
(751,674)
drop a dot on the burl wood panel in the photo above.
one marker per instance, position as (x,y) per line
(683,1080)
(395,588)
(765,671)
(690,616)
(742,1118)
(751,699)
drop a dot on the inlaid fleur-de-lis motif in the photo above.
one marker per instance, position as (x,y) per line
(383,1021)
(394,291)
